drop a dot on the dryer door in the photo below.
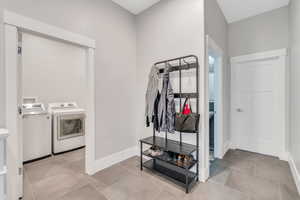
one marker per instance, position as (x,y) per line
(71,125)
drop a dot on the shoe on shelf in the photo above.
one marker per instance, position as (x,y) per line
(155,151)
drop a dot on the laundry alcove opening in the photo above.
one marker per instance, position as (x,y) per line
(52,86)
(54,69)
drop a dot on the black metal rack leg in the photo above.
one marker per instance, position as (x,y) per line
(197,171)
(186,182)
(141,158)
(197,155)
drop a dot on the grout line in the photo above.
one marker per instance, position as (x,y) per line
(280,192)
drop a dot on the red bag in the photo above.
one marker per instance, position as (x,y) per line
(187,109)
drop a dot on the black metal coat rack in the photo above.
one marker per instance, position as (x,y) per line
(180,174)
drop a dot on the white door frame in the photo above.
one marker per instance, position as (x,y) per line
(219,124)
(280,54)
(12,23)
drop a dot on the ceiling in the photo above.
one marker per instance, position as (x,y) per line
(136,6)
(235,10)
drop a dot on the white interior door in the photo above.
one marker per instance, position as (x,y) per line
(258,105)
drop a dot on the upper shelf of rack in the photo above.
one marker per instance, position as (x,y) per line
(170,145)
(185,66)
(185,95)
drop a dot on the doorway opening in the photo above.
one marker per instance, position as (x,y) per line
(215,99)
(258,103)
(212,106)
(15,26)
(52,124)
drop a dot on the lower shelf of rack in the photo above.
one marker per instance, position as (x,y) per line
(165,158)
(184,178)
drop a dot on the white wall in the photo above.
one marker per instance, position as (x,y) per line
(216,25)
(53,71)
(2,72)
(217,28)
(295,82)
(268,31)
(169,29)
(113,28)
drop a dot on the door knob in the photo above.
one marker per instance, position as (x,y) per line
(239,110)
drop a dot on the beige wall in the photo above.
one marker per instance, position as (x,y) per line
(295,81)
(268,31)
(113,28)
(217,28)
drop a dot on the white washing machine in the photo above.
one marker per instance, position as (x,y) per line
(36,132)
(68,127)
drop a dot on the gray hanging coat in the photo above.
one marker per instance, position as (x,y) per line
(151,94)
(166,107)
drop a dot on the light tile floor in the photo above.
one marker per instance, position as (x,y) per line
(239,176)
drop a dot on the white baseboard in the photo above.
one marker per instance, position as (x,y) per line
(203,174)
(232,145)
(284,156)
(115,158)
(226,148)
(295,172)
